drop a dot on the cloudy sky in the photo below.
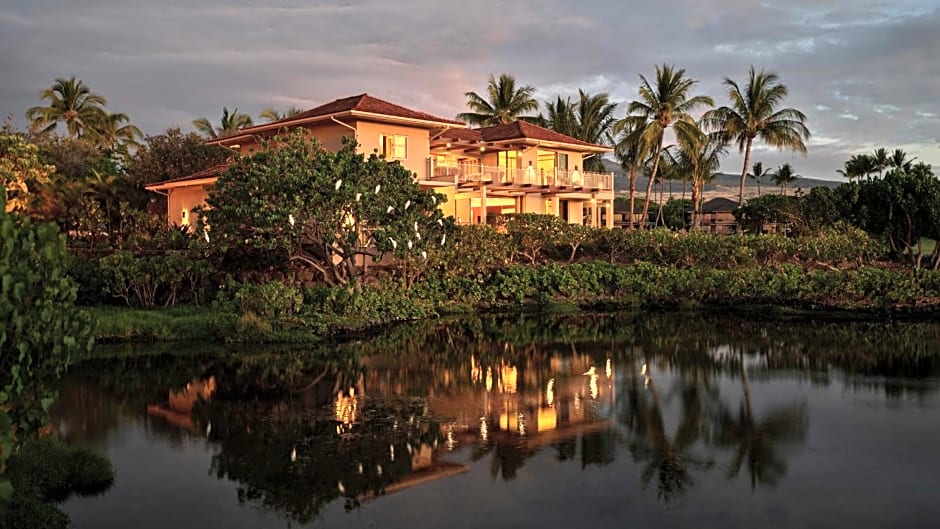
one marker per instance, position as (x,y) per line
(866,72)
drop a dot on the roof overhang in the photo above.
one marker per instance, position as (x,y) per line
(164,186)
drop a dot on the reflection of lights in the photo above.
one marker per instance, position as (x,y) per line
(593,386)
(347,408)
(476,372)
(391,452)
(521,419)
(451,443)
(643,369)
(378,470)
(590,372)
(484,429)
(550,392)
(646,382)
(341,487)
(208,429)
(577,400)
(489,380)
(293,454)
(508,376)
(360,468)
(609,370)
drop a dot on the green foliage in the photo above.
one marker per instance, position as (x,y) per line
(40,328)
(329,210)
(46,471)
(758,212)
(172,154)
(147,281)
(21,171)
(532,233)
(272,300)
(674,213)
(476,248)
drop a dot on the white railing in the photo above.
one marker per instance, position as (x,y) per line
(528,177)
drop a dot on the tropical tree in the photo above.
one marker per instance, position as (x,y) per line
(590,119)
(697,155)
(270,114)
(880,159)
(504,103)
(331,211)
(657,109)
(758,173)
(632,153)
(21,171)
(899,160)
(116,129)
(857,166)
(71,102)
(753,114)
(784,176)
(229,124)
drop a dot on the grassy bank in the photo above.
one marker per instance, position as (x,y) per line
(279,313)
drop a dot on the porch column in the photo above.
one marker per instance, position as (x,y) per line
(610,214)
(483,204)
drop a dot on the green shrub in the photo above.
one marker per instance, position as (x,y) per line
(149,280)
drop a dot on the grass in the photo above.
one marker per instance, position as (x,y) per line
(189,323)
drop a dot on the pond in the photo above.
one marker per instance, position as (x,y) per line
(654,420)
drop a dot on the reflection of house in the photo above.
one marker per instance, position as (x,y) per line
(179,407)
(718,216)
(511,168)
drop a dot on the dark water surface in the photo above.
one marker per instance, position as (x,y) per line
(526,421)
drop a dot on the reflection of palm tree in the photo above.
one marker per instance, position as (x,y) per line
(756,438)
(667,458)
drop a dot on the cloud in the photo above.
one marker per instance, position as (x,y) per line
(863,70)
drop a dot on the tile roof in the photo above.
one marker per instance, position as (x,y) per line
(208,172)
(358,103)
(719,205)
(523,129)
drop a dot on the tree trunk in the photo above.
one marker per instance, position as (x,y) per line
(747,161)
(632,193)
(649,185)
(696,216)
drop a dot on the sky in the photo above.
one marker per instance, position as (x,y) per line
(865,72)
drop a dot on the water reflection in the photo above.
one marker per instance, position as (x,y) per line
(672,401)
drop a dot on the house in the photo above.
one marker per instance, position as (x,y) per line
(718,216)
(622,216)
(511,168)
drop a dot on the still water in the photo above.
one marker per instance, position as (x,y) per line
(658,420)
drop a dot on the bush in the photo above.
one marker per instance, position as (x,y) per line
(145,281)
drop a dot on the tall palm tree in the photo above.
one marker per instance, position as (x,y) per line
(758,173)
(504,103)
(899,160)
(753,114)
(71,102)
(880,160)
(857,166)
(698,155)
(560,116)
(595,114)
(658,109)
(229,124)
(632,153)
(115,128)
(785,176)
(270,114)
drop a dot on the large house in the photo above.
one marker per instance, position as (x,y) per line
(512,168)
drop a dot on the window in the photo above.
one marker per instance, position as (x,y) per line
(562,161)
(394,147)
(507,159)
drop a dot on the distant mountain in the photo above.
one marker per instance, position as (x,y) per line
(725,184)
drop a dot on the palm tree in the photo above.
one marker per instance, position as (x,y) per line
(71,102)
(590,119)
(632,153)
(116,128)
(880,159)
(269,114)
(504,102)
(560,117)
(758,173)
(785,176)
(753,115)
(229,124)
(658,109)
(698,155)
(899,160)
(857,166)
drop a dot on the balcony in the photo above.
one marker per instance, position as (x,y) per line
(554,180)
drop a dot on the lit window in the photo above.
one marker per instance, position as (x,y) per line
(394,147)
(507,159)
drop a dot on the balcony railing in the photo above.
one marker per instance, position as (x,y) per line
(527,177)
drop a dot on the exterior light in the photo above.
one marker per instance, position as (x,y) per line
(483,148)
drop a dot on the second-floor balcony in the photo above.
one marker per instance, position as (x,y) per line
(471,174)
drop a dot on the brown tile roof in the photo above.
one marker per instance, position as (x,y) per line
(460,135)
(357,103)
(523,129)
(208,172)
